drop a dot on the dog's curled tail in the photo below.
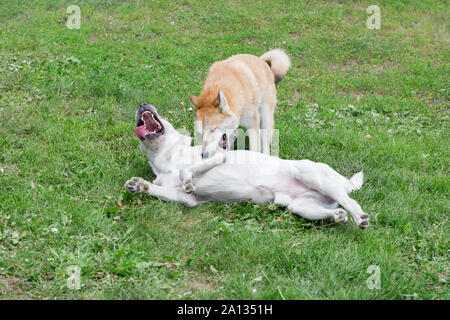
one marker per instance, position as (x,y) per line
(356,182)
(278,61)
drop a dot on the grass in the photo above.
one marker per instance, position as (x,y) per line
(355,98)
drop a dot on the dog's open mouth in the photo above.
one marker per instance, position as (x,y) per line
(223,142)
(148,126)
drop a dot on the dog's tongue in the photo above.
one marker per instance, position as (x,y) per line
(140,132)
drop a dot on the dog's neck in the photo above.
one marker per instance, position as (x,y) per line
(162,155)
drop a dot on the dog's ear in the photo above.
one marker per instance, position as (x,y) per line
(194,100)
(222,103)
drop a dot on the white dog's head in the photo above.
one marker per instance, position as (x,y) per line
(155,132)
(150,127)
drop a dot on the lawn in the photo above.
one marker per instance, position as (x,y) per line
(355,98)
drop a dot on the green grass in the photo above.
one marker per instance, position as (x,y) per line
(355,98)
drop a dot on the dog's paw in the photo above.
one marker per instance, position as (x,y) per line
(340,216)
(133,185)
(188,186)
(136,185)
(187,181)
(363,221)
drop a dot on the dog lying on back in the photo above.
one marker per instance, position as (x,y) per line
(240,91)
(309,189)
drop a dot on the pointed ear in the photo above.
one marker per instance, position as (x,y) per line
(194,100)
(222,103)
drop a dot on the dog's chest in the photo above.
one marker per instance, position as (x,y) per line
(248,118)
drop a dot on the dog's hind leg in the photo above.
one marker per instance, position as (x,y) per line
(282,199)
(139,185)
(312,209)
(266,131)
(361,218)
(324,179)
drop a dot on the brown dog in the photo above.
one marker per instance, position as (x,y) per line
(240,91)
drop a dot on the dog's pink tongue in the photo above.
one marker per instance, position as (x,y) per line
(140,132)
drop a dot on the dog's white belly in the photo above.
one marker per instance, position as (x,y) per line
(247,182)
(230,183)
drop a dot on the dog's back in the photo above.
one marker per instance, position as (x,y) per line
(246,80)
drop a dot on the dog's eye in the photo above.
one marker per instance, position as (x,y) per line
(224,137)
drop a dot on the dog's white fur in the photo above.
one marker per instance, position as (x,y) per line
(309,189)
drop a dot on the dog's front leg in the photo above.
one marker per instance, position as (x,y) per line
(139,185)
(187,174)
(266,131)
(253,134)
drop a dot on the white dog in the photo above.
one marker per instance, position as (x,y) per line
(309,189)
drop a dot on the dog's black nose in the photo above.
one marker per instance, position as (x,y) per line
(142,106)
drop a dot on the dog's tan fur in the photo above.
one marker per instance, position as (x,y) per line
(248,84)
